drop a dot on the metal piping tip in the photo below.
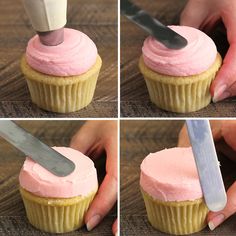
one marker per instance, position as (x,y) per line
(52,38)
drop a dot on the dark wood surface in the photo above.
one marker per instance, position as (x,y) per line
(138,139)
(13,221)
(135,100)
(96,18)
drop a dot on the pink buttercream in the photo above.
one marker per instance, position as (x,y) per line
(195,58)
(75,56)
(39,181)
(171,175)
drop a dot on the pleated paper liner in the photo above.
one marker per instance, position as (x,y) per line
(56,215)
(61,94)
(179,218)
(180,94)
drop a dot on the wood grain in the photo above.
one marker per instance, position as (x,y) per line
(138,139)
(13,219)
(96,18)
(135,100)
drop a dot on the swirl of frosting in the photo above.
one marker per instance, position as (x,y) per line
(171,175)
(199,54)
(39,181)
(75,56)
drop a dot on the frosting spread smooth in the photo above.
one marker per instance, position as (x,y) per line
(75,56)
(195,58)
(39,181)
(171,175)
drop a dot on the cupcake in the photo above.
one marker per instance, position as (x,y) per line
(179,80)
(172,193)
(58,204)
(62,78)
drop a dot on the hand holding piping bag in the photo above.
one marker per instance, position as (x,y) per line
(221,130)
(93,139)
(204,15)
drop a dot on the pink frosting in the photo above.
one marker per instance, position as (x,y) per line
(171,175)
(39,181)
(195,58)
(75,56)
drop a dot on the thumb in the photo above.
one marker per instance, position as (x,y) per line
(216,218)
(224,84)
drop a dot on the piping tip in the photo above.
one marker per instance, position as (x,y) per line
(52,38)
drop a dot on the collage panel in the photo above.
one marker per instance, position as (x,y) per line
(178,70)
(69,69)
(166,187)
(68,189)
(117,117)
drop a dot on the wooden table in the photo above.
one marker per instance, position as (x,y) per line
(96,18)
(135,100)
(13,221)
(138,139)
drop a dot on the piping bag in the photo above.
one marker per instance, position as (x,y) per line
(207,164)
(48,18)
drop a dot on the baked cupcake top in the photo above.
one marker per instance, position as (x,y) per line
(39,181)
(195,58)
(75,56)
(171,175)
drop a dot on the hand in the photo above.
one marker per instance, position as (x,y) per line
(92,139)
(225,130)
(204,15)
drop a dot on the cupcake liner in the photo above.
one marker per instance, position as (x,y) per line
(61,94)
(180,94)
(56,215)
(177,218)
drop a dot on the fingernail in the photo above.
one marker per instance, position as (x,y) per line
(116,234)
(221,97)
(217,220)
(221,93)
(93,221)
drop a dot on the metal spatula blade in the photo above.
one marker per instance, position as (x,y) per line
(207,164)
(162,33)
(37,150)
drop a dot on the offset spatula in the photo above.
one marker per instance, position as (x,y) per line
(162,33)
(35,149)
(207,164)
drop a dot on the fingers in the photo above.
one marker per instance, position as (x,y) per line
(107,193)
(114,228)
(194,13)
(200,14)
(216,218)
(224,84)
(102,203)
(210,23)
